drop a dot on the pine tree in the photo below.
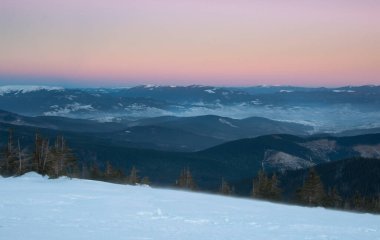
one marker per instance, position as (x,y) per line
(265,187)
(333,199)
(275,190)
(37,153)
(225,188)
(59,160)
(10,156)
(115,175)
(186,180)
(312,192)
(23,159)
(14,160)
(133,177)
(377,204)
(262,185)
(40,155)
(357,202)
(109,173)
(145,181)
(95,172)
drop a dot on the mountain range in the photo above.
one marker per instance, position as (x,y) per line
(325,109)
(234,161)
(213,131)
(164,133)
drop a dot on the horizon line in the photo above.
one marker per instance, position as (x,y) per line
(84,86)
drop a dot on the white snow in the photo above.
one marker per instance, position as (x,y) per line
(224,121)
(25,89)
(343,91)
(150,86)
(68,108)
(32,207)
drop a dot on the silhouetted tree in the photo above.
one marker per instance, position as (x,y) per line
(60,161)
(358,202)
(260,188)
(275,190)
(10,158)
(145,181)
(312,192)
(133,177)
(333,199)
(265,187)
(95,172)
(186,180)
(225,188)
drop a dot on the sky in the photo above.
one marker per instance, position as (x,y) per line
(182,42)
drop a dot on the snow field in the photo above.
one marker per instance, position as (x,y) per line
(33,207)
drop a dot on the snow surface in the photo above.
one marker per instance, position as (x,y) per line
(26,89)
(33,207)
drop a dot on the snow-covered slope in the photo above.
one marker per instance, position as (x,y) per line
(32,207)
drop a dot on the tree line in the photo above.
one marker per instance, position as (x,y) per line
(56,158)
(312,192)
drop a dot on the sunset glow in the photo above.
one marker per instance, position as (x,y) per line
(192,42)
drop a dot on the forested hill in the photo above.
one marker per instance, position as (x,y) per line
(233,161)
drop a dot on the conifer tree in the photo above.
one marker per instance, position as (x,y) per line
(133,177)
(10,156)
(95,172)
(186,180)
(40,154)
(23,159)
(312,192)
(358,201)
(225,188)
(265,187)
(115,175)
(109,172)
(333,199)
(60,159)
(145,181)
(275,190)
(260,185)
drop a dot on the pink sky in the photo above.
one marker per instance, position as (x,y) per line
(241,42)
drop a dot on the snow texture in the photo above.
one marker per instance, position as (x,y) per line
(67,109)
(284,161)
(26,89)
(33,207)
(343,91)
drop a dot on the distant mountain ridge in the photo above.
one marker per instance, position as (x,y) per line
(164,133)
(326,109)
